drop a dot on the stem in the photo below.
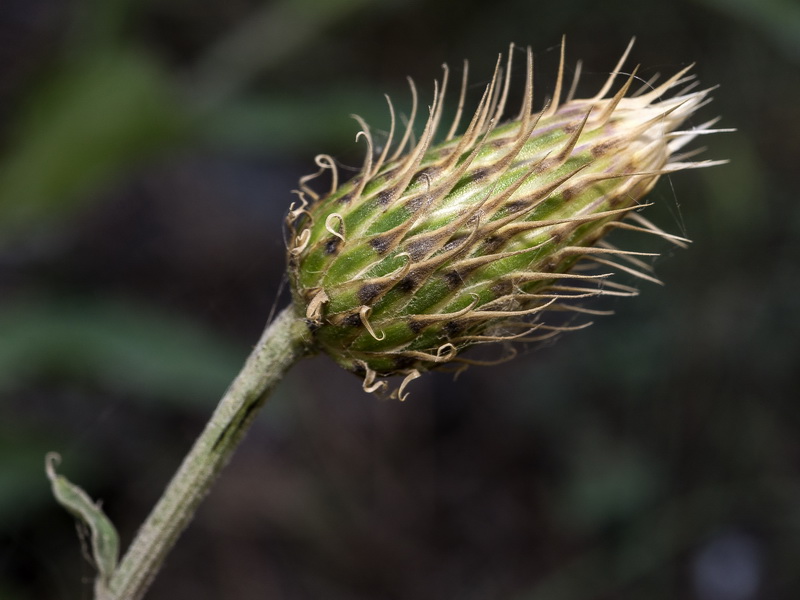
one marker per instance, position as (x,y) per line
(282,344)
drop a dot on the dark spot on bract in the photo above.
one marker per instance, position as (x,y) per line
(408,283)
(351,320)
(332,245)
(415,326)
(601,149)
(404,362)
(453,328)
(380,244)
(453,279)
(454,242)
(368,292)
(419,247)
(492,243)
(359,369)
(312,325)
(615,200)
(543,165)
(415,203)
(479,174)
(427,174)
(346,198)
(385,197)
(516,206)
(502,288)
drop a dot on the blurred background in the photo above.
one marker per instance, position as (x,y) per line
(147,154)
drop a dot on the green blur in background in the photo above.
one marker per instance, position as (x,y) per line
(147,155)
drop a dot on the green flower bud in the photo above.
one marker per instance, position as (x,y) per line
(435,247)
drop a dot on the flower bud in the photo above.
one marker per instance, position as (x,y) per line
(437,246)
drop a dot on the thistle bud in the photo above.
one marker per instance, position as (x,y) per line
(437,246)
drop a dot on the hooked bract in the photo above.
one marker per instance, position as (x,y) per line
(436,246)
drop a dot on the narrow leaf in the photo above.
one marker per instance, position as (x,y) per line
(105,541)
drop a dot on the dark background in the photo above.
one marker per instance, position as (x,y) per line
(147,154)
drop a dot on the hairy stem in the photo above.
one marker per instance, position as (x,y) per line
(283,342)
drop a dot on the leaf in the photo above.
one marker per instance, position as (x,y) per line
(104,537)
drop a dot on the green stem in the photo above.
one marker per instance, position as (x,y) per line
(282,344)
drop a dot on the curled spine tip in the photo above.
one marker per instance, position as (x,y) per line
(371,384)
(294,212)
(364,313)
(400,393)
(300,242)
(416,154)
(314,309)
(410,124)
(329,225)
(366,169)
(389,138)
(325,162)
